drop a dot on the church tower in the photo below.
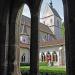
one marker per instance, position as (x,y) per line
(52,19)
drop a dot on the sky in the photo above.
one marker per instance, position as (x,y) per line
(57,4)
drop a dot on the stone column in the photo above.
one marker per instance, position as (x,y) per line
(17,43)
(69,16)
(34,52)
(4,32)
(13,49)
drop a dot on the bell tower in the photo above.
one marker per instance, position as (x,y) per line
(52,19)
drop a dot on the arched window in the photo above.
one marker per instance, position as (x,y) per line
(42,56)
(23,58)
(54,56)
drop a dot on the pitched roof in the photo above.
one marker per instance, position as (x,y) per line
(23,45)
(42,27)
(55,42)
(55,12)
(46,44)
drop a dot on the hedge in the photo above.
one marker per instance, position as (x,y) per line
(24,64)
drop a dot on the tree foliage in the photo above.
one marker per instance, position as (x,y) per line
(62,30)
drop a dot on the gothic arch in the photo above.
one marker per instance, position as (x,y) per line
(48,56)
(12,57)
(8,12)
(23,57)
(54,56)
(43,57)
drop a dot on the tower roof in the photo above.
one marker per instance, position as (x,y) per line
(53,9)
(51,4)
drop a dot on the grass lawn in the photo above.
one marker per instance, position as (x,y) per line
(52,69)
(48,69)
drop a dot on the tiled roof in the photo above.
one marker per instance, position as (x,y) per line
(42,27)
(45,28)
(55,12)
(23,45)
(47,43)
(52,43)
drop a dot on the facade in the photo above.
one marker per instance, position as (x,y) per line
(51,44)
(45,34)
(52,19)
(54,51)
(9,50)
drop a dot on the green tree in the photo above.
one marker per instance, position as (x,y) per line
(62,30)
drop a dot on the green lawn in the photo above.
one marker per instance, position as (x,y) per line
(52,69)
(48,69)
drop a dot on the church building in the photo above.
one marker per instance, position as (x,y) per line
(51,43)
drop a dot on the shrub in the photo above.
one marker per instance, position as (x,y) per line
(24,64)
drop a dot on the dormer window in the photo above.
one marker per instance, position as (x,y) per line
(51,21)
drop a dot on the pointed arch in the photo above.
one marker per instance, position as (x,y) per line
(48,56)
(42,56)
(23,58)
(54,56)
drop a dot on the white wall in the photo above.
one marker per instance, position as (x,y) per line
(47,21)
(27,54)
(51,49)
(52,24)
(61,56)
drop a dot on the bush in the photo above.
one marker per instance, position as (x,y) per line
(24,64)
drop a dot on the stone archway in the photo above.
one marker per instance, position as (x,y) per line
(13,53)
(17,47)
(8,11)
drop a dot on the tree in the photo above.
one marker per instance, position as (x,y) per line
(62,30)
